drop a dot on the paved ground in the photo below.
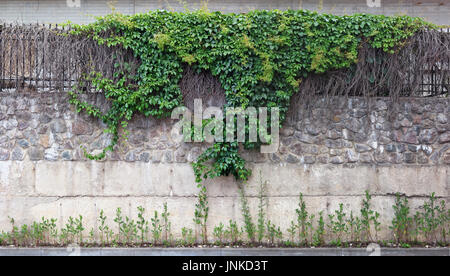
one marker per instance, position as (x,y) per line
(9,251)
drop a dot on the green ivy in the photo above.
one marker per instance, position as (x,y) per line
(260,58)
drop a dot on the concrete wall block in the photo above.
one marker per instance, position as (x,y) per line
(412,181)
(21,209)
(16,178)
(4,177)
(55,178)
(88,178)
(21,178)
(149,179)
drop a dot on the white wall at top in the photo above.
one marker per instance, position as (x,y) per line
(57,11)
(83,11)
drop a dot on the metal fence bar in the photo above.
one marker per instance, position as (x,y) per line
(50,69)
(63,63)
(43,59)
(10,61)
(17,61)
(23,59)
(2,27)
(36,55)
(30,70)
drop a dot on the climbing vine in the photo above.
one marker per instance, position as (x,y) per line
(260,59)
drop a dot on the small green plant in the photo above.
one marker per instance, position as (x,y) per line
(91,236)
(24,236)
(232,232)
(70,230)
(103,227)
(127,228)
(401,222)
(156,228)
(219,232)
(405,245)
(273,232)
(36,233)
(376,223)
(432,219)
(14,232)
(358,229)
(73,230)
(64,236)
(201,212)
(119,220)
(142,224)
(417,224)
(44,227)
(188,237)
(130,230)
(184,240)
(79,228)
(302,220)
(261,206)
(366,217)
(3,238)
(351,221)
(338,224)
(318,239)
(166,224)
(249,226)
(292,230)
(310,226)
(444,219)
(109,235)
(50,230)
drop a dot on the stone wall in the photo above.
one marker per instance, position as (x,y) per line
(44,126)
(331,155)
